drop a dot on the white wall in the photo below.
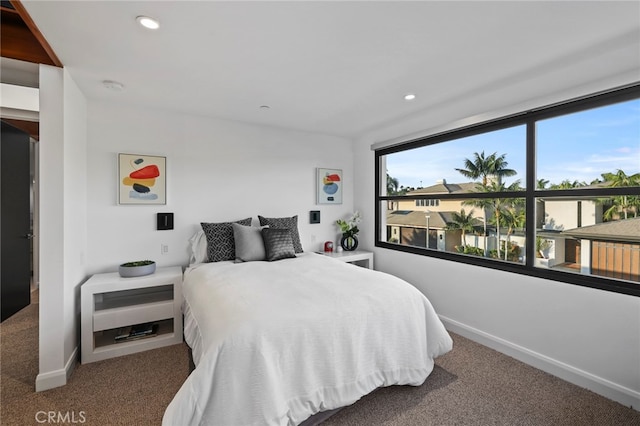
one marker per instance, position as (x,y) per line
(217,171)
(51,335)
(62,174)
(586,336)
(75,209)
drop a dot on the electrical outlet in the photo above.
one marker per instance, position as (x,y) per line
(164,249)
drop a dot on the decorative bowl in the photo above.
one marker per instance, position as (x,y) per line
(137,269)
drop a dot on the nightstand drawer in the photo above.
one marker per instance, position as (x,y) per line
(120,317)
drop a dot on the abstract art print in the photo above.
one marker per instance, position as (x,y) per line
(142,179)
(329,186)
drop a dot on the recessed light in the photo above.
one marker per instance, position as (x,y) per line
(113,85)
(409,97)
(147,22)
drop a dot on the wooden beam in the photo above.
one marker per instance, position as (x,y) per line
(21,38)
(30,127)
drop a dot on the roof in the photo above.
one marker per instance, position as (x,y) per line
(447,188)
(417,219)
(626,230)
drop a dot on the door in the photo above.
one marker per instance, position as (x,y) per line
(572,251)
(15,224)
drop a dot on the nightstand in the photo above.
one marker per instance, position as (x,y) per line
(359,257)
(110,303)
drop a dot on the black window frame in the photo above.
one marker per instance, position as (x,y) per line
(530,193)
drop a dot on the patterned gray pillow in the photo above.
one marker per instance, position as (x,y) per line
(290,223)
(249,243)
(278,244)
(220,243)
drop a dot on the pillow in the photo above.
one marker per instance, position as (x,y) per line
(220,243)
(198,248)
(290,223)
(277,244)
(249,243)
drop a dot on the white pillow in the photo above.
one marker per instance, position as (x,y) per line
(198,248)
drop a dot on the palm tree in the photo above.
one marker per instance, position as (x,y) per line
(620,178)
(618,207)
(462,221)
(512,219)
(540,215)
(542,183)
(622,204)
(484,204)
(499,205)
(567,184)
(482,167)
(499,167)
(634,202)
(392,185)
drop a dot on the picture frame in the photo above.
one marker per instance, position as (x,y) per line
(329,185)
(142,179)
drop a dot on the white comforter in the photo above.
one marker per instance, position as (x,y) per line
(276,342)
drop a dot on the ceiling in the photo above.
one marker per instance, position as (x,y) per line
(340,68)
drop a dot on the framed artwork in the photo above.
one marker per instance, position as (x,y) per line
(329,186)
(142,179)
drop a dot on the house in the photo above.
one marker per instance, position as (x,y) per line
(405,222)
(571,227)
(610,249)
(331,77)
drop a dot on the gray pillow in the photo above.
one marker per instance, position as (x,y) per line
(277,244)
(290,223)
(220,243)
(249,243)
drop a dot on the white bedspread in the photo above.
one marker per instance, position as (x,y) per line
(276,342)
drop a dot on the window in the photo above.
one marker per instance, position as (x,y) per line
(560,183)
(427,203)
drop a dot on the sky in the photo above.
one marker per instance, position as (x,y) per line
(578,146)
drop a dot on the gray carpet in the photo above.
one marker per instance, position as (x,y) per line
(471,385)
(475,385)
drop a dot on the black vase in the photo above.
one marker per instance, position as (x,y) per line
(349,242)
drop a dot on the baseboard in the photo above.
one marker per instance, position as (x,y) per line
(623,395)
(57,378)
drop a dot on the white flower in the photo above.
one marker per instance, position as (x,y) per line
(350,226)
(354,220)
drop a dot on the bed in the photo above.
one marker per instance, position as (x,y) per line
(276,342)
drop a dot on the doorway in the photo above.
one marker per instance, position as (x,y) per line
(572,251)
(16,249)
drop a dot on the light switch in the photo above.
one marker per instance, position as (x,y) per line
(165,221)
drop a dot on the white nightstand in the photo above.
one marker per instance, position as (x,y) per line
(358,257)
(110,302)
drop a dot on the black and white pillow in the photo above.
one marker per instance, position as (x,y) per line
(249,243)
(220,243)
(277,244)
(290,223)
